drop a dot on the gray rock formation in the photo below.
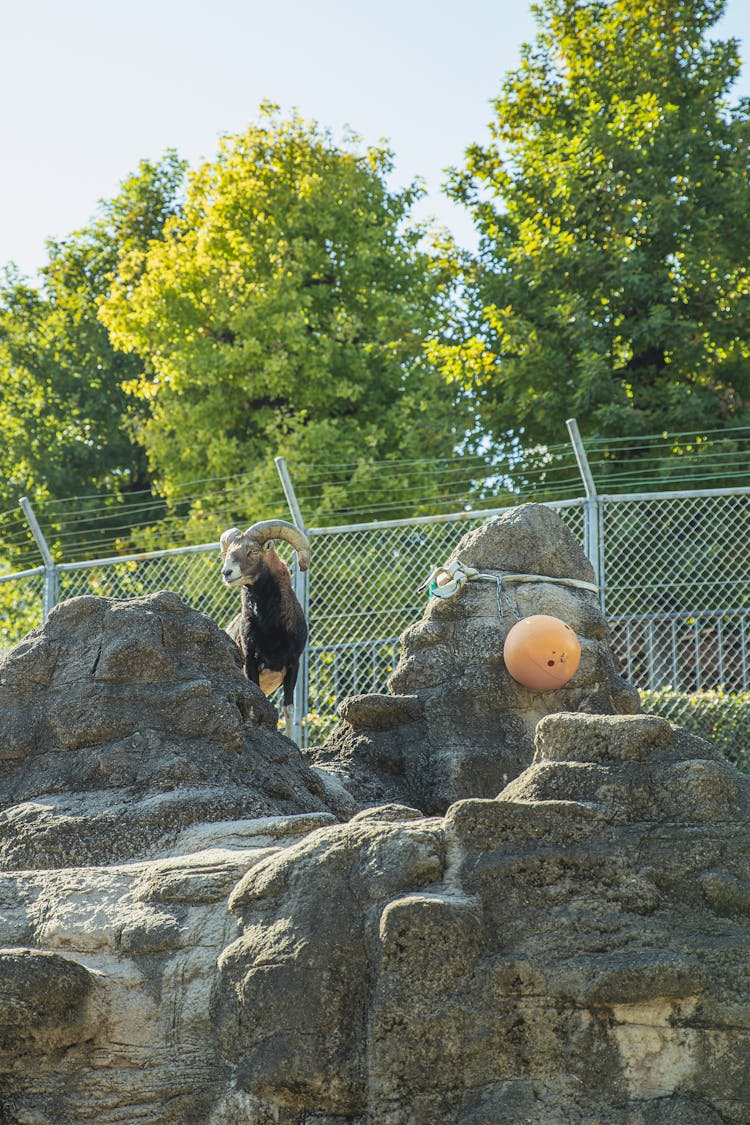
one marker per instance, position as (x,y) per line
(187,935)
(121,724)
(574,951)
(141,776)
(107,977)
(454,723)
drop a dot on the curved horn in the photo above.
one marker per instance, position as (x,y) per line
(280,529)
(227,539)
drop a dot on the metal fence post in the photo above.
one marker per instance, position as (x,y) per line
(302,694)
(302,590)
(291,495)
(51,573)
(592,543)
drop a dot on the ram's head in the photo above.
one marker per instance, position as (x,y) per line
(246,555)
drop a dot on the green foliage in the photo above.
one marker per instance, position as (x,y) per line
(66,424)
(20,608)
(285,313)
(613,208)
(722,718)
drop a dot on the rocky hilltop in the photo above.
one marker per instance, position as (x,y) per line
(122,724)
(199,926)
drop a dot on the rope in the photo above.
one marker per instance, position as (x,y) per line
(445,581)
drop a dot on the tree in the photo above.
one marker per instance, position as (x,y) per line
(613,210)
(66,424)
(285,312)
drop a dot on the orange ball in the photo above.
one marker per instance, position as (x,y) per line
(542,652)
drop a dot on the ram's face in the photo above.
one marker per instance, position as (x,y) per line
(245,560)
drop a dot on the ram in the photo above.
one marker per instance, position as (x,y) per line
(271,629)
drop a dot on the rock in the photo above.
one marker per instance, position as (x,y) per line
(188,935)
(42,1000)
(141,777)
(305,950)
(107,982)
(453,723)
(574,950)
(122,723)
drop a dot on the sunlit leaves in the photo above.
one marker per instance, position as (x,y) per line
(613,209)
(286,312)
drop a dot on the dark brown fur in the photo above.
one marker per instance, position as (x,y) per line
(271,629)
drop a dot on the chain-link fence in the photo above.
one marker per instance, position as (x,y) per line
(193,573)
(364,591)
(21,605)
(674,570)
(676,553)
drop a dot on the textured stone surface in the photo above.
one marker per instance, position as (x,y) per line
(107,978)
(454,723)
(123,722)
(42,1000)
(573,951)
(141,776)
(301,965)
(187,935)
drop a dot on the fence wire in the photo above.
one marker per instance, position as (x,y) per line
(674,570)
(21,601)
(677,554)
(194,575)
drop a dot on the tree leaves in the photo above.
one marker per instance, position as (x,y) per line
(286,312)
(613,207)
(67,425)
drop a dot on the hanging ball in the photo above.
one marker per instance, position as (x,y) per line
(542,652)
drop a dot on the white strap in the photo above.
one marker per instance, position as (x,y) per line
(445,581)
(577,583)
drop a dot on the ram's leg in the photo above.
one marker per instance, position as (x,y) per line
(290,679)
(252,671)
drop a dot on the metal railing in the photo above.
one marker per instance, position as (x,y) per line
(687,652)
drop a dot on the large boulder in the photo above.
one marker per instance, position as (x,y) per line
(575,950)
(141,776)
(453,722)
(122,724)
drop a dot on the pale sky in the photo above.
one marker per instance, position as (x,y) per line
(88,88)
